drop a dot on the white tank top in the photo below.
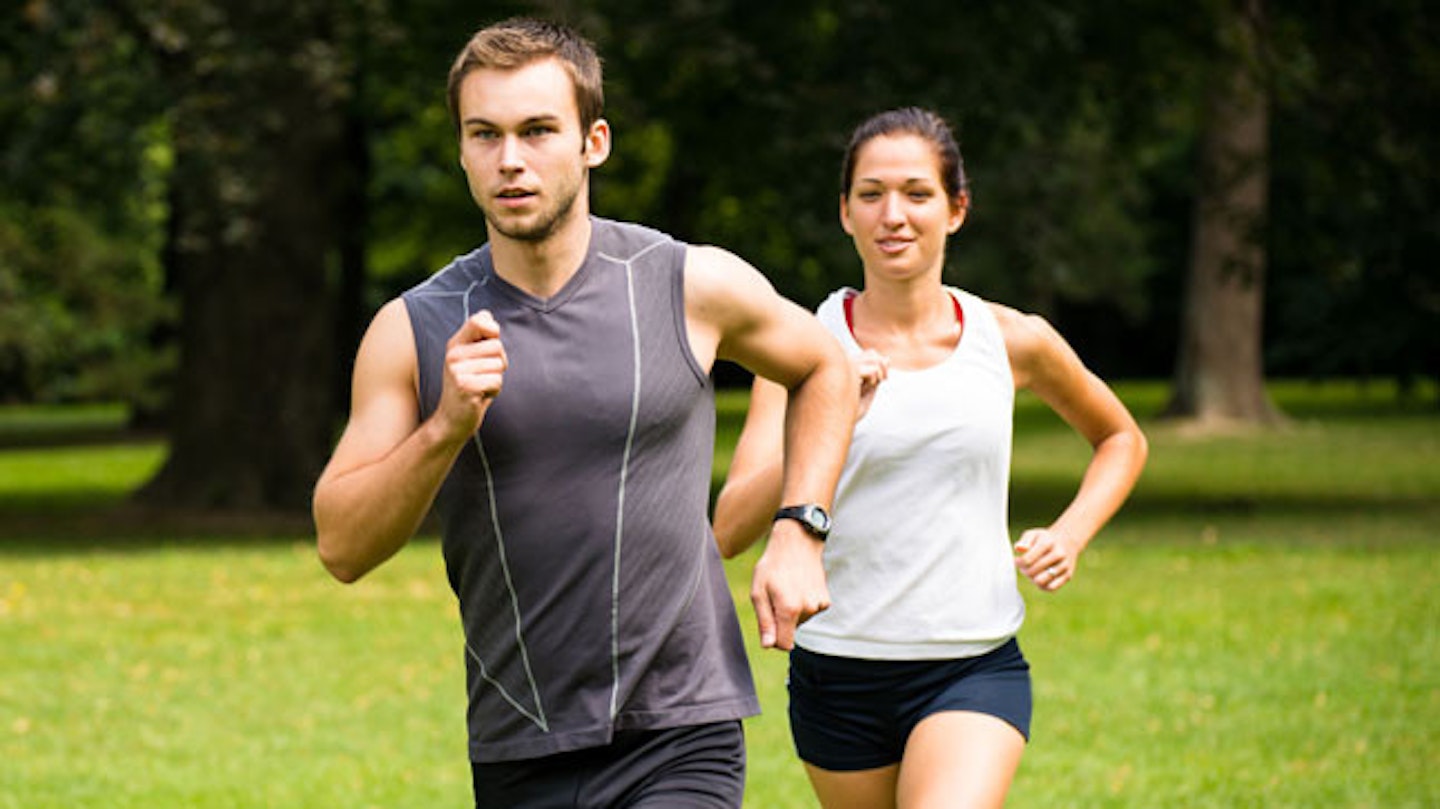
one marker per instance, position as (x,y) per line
(919,560)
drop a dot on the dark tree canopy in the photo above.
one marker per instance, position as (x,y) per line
(202,202)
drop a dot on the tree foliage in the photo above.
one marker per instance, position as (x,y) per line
(82,204)
(240,185)
(1357,193)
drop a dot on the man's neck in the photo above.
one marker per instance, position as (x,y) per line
(542,268)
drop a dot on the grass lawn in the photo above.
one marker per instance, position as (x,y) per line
(1258,628)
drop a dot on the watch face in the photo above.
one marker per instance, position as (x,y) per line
(813,517)
(818,519)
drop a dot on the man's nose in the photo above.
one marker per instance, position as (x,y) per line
(510,160)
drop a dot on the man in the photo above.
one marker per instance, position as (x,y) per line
(550,394)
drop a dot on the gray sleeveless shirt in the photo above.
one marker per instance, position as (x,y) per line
(576,535)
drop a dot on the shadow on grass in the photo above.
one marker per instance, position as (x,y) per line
(91,509)
(75,522)
(1038,501)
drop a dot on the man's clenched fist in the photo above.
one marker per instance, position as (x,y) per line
(475,366)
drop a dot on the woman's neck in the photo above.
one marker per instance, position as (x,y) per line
(904,306)
(915,326)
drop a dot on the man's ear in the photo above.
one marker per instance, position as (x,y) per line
(596,146)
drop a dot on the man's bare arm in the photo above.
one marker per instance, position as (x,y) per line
(734,311)
(388,465)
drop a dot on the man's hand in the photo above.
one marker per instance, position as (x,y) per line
(789,584)
(475,366)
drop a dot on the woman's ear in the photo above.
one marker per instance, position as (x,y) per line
(845,215)
(958,209)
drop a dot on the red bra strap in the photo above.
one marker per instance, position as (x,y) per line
(850,312)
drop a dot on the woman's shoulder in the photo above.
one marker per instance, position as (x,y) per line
(1017,328)
(838,297)
(1035,346)
(1020,328)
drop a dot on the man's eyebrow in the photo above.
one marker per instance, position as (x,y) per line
(531,121)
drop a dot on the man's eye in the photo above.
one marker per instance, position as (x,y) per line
(537,131)
(482,134)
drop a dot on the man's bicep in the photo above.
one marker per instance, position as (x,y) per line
(751,323)
(383,405)
(782,343)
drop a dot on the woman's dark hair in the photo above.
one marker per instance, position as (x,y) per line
(915,121)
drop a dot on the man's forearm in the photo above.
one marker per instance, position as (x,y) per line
(364,515)
(818,425)
(789,581)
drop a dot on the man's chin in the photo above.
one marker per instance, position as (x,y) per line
(523,230)
(537,226)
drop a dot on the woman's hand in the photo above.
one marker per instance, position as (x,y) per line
(1045,557)
(872,367)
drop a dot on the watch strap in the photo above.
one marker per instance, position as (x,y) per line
(812,518)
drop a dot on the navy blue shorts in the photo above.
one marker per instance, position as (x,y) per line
(850,714)
(697,767)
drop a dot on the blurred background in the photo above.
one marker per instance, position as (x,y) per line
(203,202)
(1230,207)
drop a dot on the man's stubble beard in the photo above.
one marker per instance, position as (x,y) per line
(543,228)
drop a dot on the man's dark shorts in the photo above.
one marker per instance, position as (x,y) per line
(848,714)
(698,767)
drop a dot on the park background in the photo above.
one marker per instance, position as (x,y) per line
(1230,209)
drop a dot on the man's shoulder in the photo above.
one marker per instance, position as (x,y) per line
(456,276)
(627,240)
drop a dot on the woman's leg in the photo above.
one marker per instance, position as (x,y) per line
(856,789)
(958,760)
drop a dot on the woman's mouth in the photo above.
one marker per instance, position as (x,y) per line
(892,246)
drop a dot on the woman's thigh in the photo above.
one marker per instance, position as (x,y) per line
(854,789)
(957,759)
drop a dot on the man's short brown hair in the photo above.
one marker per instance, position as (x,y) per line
(517,42)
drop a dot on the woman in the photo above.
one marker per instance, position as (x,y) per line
(910,690)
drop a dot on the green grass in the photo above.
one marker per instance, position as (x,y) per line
(47,424)
(1258,628)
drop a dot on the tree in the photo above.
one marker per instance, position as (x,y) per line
(745,117)
(81,202)
(251,128)
(257,129)
(1357,193)
(1219,374)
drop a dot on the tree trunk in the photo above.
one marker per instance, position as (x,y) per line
(1219,374)
(258,136)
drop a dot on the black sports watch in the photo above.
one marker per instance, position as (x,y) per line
(812,517)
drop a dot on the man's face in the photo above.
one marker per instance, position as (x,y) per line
(525,157)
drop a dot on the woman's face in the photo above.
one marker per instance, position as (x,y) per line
(896,208)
